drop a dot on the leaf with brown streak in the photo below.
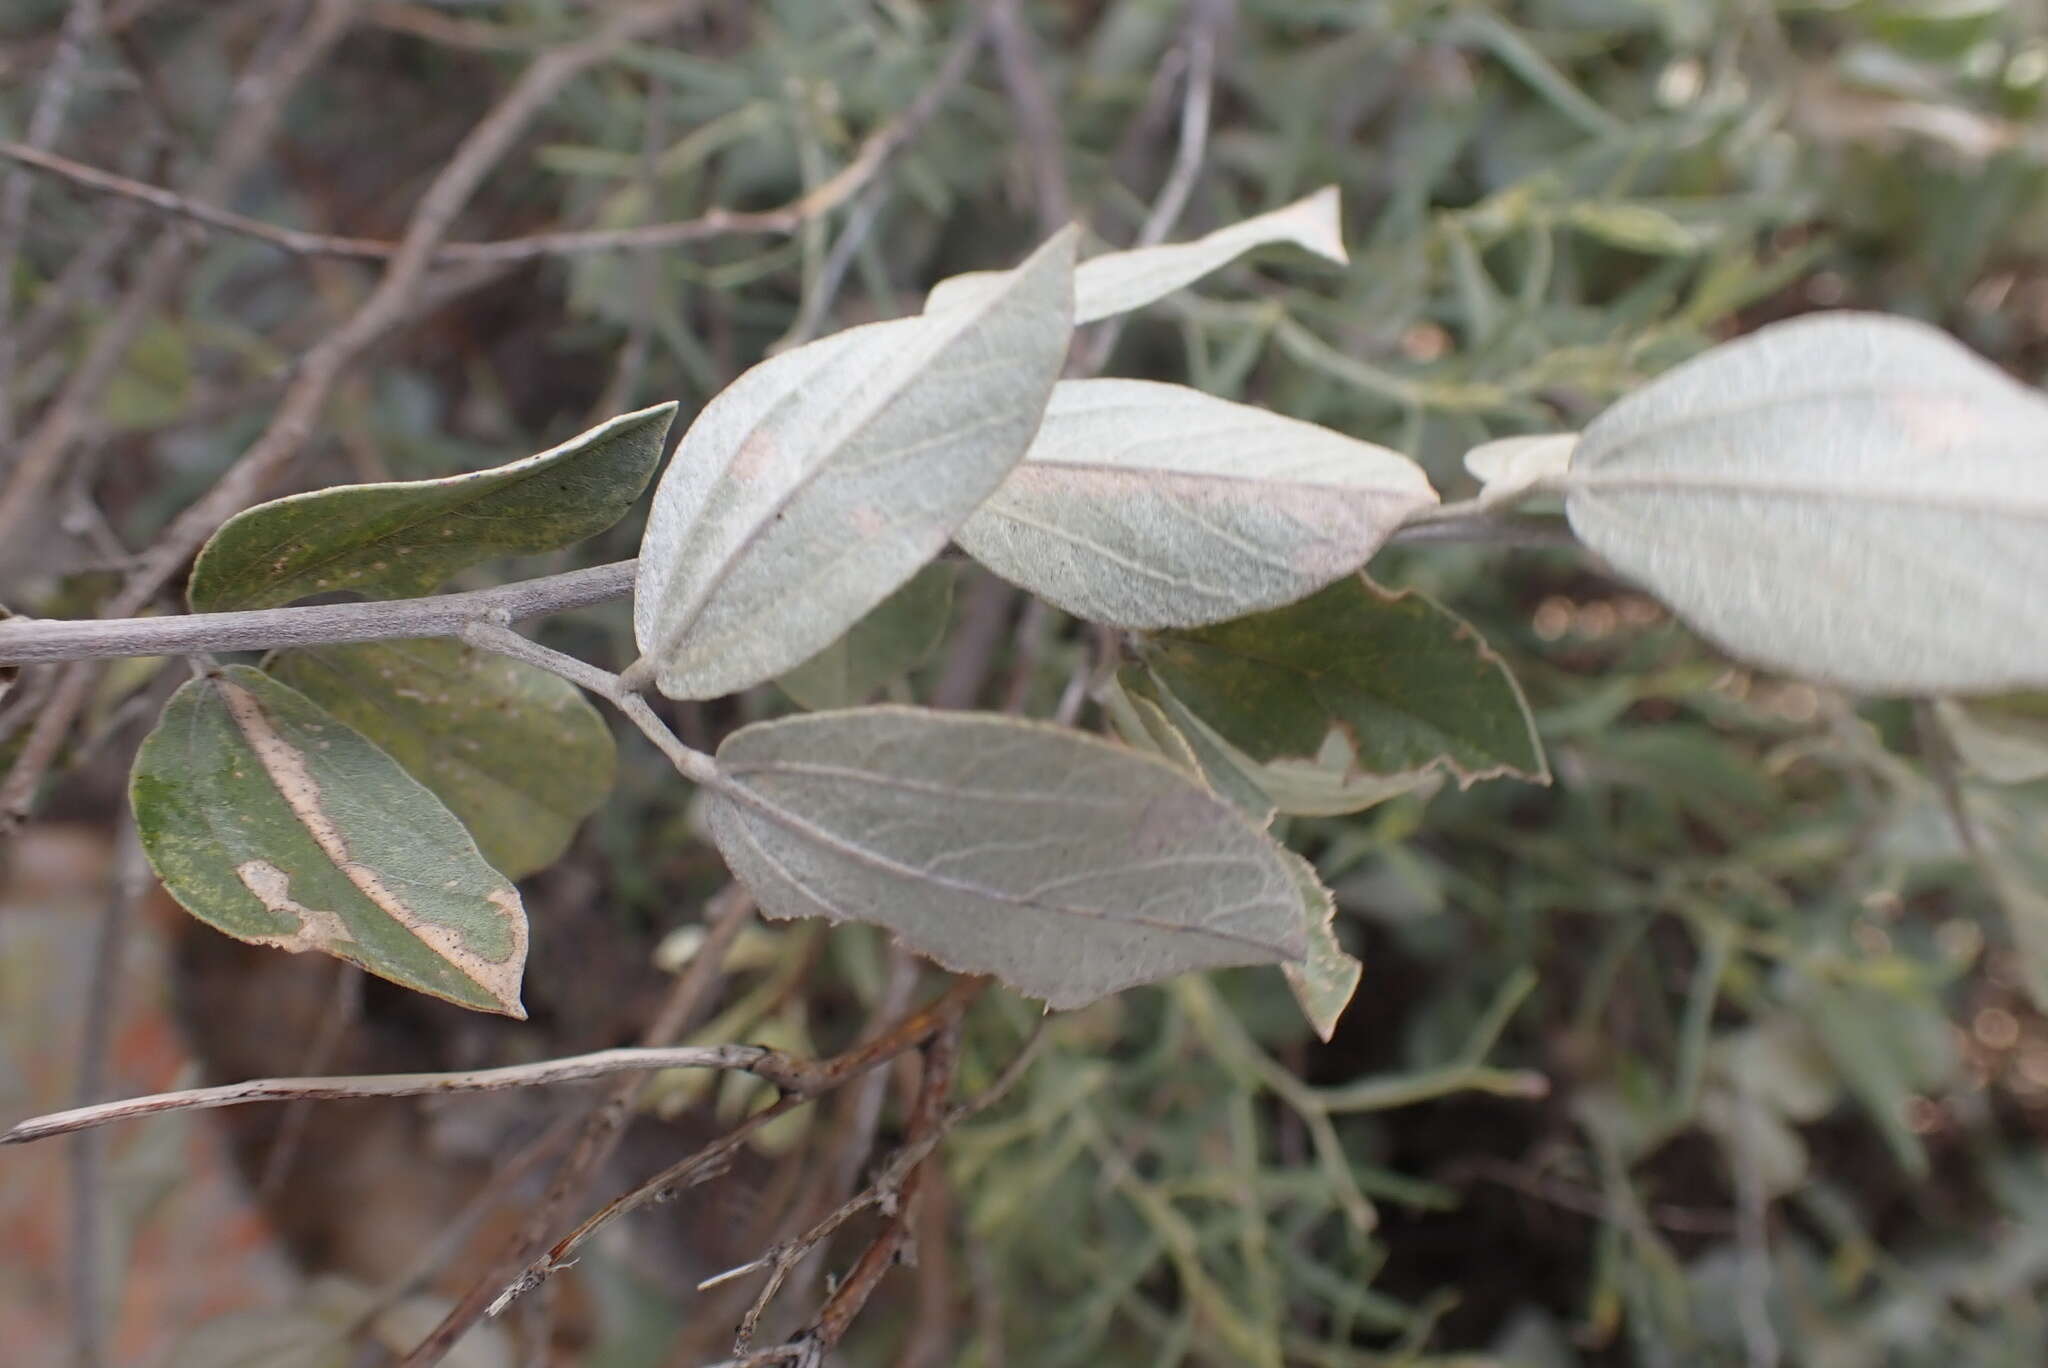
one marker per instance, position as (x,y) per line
(271,820)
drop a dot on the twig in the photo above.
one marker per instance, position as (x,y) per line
(772,1065)
(600,1133)
(893,1244)
(33,640)
(1038,121)
(88,1151)
(869,158)
(1206,18)
(800,1087)
(882,1192)
(45,121)
(29,641)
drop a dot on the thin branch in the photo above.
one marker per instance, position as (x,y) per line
(31,641)
(883,1192)
(1206,19)
(872,155)
(772,1065)
(1038,120)
(34,640)
(600,1133)
(45,121)
(800,1089)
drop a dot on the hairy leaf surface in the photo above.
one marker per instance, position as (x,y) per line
(1145,505)
(1065,865)
(822,479)
(1324,981)
(1117,282)
(1510,467)
(1396,683)
(1847,497)
(403,539)
(520,756)
(273,821)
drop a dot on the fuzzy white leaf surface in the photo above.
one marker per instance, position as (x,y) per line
(1117,282)
(1849,497)
(805,493)
(1145,505)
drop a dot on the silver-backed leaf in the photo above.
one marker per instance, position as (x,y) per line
(1146,505)
(1848,497)
(1065,865)
(1117,282)
(822,479)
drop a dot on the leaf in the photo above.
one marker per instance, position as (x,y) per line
(400,540)
(2013,853)
(9,674)
(1145,505)
(1324,982)
(1066,866)
(2004,739)
(518,755)
(1633,228)
(1386,683)
(1847,497)
(822,479)
(1137,709)
(898,636)
(1117,282)
(1511,467)
(271,820)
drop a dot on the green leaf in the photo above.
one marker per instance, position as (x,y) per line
(898,636)
(517,754)
(1324,982)
(1117,282)
(271,820)
(1144,505)
(1381,683)
(1145,717)
(1633,228)
(401,540)
(1847,497)
(1065,865)
(822,479)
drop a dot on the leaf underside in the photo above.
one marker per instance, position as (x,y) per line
(1066,866)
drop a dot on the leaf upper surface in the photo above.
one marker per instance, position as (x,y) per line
(1147,505)
(1067,866)
(1848,497)
(822,479)
(402,539)
(1405,686)
(271,820)
(518,755)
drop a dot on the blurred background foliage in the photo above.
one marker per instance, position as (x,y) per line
(1718,1050)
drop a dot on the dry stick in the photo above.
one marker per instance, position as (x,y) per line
(882,1192)
(800,1087)
(292,423)
(772,1065)
(88,1152)
(31,641)
(1206,17)
(45,121)
(1038,122)
(600,1133)
(927,1120)
(258,101)
(828,195)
